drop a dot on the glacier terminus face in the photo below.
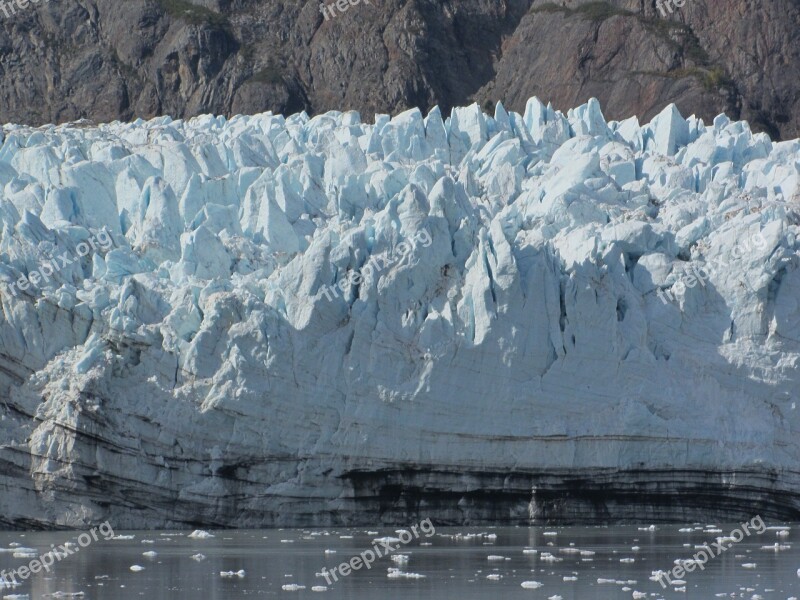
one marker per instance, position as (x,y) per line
(293,321)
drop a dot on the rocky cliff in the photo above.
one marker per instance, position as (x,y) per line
(105,59)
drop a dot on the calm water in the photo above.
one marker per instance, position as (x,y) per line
(453,566)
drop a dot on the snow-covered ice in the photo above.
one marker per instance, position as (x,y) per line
(509,293)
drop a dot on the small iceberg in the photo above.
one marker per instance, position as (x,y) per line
(199,534)
(232,574)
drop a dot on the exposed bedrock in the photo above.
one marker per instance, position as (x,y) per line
(105,59)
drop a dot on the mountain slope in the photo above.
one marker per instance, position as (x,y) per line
(106,60)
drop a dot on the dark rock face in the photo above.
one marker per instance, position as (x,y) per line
(595,496)
(104,59)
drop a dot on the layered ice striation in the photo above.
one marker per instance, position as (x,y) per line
(304,321)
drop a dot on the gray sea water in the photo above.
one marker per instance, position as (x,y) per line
(598,563)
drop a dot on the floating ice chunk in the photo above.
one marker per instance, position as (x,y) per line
(387,540)
(136,568)
(394,573)
(531,585)
(292,587)
(400,558)
(231,574)
(199,534)
(547,557)
(7,583)
(777,547)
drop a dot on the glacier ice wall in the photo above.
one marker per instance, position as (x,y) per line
(318,320)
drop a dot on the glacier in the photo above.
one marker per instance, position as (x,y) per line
(538,317)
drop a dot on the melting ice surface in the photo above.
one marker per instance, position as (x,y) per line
(572,563)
